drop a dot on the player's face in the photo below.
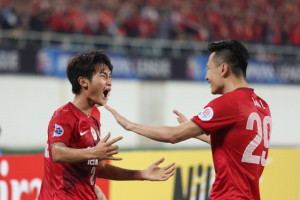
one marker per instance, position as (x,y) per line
(100,86)
(213,76)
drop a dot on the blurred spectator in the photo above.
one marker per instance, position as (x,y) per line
(262,21)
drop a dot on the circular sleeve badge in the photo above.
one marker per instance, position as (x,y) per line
(206,114)
(58,130)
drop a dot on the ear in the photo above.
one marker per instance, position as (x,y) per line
(225,70)
(83,82)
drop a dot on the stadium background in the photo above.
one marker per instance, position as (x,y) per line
(158,50)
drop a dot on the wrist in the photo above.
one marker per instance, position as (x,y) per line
(91,154)
(130,126)
(142,175)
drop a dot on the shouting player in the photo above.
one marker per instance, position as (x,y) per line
(75,154)
(236,124)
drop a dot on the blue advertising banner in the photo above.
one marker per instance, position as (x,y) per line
(196,67)
(53,62)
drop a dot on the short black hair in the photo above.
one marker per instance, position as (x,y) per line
(84,64)
(231,52)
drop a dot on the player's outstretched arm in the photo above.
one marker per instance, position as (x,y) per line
(170,134)
(151,173)
(104,150)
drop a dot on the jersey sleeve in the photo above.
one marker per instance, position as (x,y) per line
(59,129)
(217,115)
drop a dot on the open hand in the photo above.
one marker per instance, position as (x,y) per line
(155,173)
(105,150)
(180,117)
(125,123)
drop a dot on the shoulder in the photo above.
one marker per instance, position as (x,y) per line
(64,114)
(225,100)
(224,105)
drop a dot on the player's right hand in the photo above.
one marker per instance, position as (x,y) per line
(125,123)
(105,150)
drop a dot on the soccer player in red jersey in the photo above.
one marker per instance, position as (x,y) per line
(75,154)
(237,125)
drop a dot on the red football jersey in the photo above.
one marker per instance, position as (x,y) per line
(239,125)
(77,130)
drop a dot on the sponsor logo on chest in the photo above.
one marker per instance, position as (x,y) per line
(93,133)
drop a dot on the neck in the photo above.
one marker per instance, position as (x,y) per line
(82,104)
(235,83)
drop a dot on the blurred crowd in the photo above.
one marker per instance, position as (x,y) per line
(261,21)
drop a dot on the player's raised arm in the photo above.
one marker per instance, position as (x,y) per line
(170,134)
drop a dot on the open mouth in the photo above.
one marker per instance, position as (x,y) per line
(106,93)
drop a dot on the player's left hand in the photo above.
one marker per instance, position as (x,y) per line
(180,117)
(155,173)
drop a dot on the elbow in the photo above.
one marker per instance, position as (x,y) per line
(56,158)
(172,139)
(176,135)
(57,155)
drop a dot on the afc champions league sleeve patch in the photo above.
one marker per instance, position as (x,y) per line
(58,130)
(206,114)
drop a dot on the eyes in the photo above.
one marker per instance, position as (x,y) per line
(104,75)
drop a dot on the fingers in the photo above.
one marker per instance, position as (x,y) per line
(113,158)
(113,151)
(172,165)
(110,109)
(159,161)
(112,141)
(169,175)
(180,117)
(176,112)
(169,171)
(113,148)
(106,137)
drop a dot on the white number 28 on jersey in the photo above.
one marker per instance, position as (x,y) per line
(262,134)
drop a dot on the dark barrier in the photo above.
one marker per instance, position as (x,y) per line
(17,61)
(53,62)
